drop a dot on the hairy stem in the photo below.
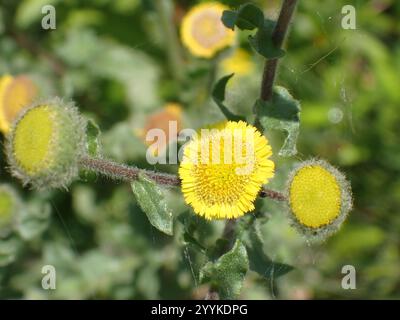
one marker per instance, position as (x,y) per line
(275,195)
(127,173)
(278,37)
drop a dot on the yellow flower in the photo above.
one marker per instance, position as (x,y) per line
(238,63)
(203,32)
(222,170)
(319,197)
(45,144)
(16,93)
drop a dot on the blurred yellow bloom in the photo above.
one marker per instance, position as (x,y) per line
(319,196)
(238,63)
(203,32)
(220,180)
(16,93)
(171,112)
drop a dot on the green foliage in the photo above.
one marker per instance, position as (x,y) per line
(218,94)
(113,61)
(93,148)
(33,220)
(93,138)
(262,41)
(8,251)
(226,275)
(259,261)
(250,17)
(282,113)
(247,17)
(151,200)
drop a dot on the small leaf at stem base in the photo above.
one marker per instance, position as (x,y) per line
(226,275)
(151,200)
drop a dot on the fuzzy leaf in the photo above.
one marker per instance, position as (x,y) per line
(93,135)
(259,261)
(93,148)
(247,17)
(282,113)
(262,41)
(250,17)
(218,95)
(151,200)
(226,275)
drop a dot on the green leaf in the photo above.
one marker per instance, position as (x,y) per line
(151,200)
(262,41)
(282,113)
(34,220)
(92,141)
(93,148)
(193,227)
(218,95)
(259,261)
(8,250)
(226,275)
(250,17)
(188,238)
(229,18)
(247,17)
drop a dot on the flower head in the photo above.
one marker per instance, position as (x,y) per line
(9,204)
(45,144)
(319,198)
(16,93)
(238,63)
(169,119)
(203,32)
(222,170)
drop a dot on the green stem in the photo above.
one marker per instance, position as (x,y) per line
(126,173)
(173,46)
(278,37)
(213,74)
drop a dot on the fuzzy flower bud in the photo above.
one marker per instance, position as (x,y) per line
(319,198)
(45,144)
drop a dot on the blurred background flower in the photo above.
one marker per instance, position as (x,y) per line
(202,30)
(169,120)
(238,62)
(15,94)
